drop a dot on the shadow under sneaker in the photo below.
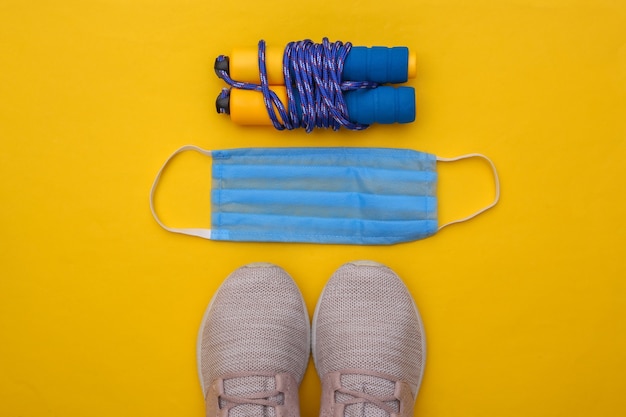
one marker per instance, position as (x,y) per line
(253,345)
(368,343)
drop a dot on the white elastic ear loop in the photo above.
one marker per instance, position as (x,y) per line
(203,233)
(496,180)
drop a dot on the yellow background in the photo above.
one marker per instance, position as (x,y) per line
(523,306)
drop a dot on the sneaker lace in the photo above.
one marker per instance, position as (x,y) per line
(247,395)
(363,398)
(262,398)
(360,397)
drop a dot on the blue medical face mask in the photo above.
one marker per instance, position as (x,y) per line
(361,196)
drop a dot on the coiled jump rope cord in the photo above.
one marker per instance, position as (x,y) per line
(312,75)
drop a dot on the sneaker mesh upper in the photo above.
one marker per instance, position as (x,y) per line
(256,322)
(366,319)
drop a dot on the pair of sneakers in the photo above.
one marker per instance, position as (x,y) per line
(367,341)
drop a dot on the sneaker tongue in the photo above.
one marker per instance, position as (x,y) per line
(249,385)
(367,384)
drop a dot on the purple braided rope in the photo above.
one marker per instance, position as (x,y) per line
(312,75)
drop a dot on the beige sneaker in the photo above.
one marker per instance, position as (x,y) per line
(368,343)
(253,346)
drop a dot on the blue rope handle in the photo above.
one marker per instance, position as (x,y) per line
(313,72)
